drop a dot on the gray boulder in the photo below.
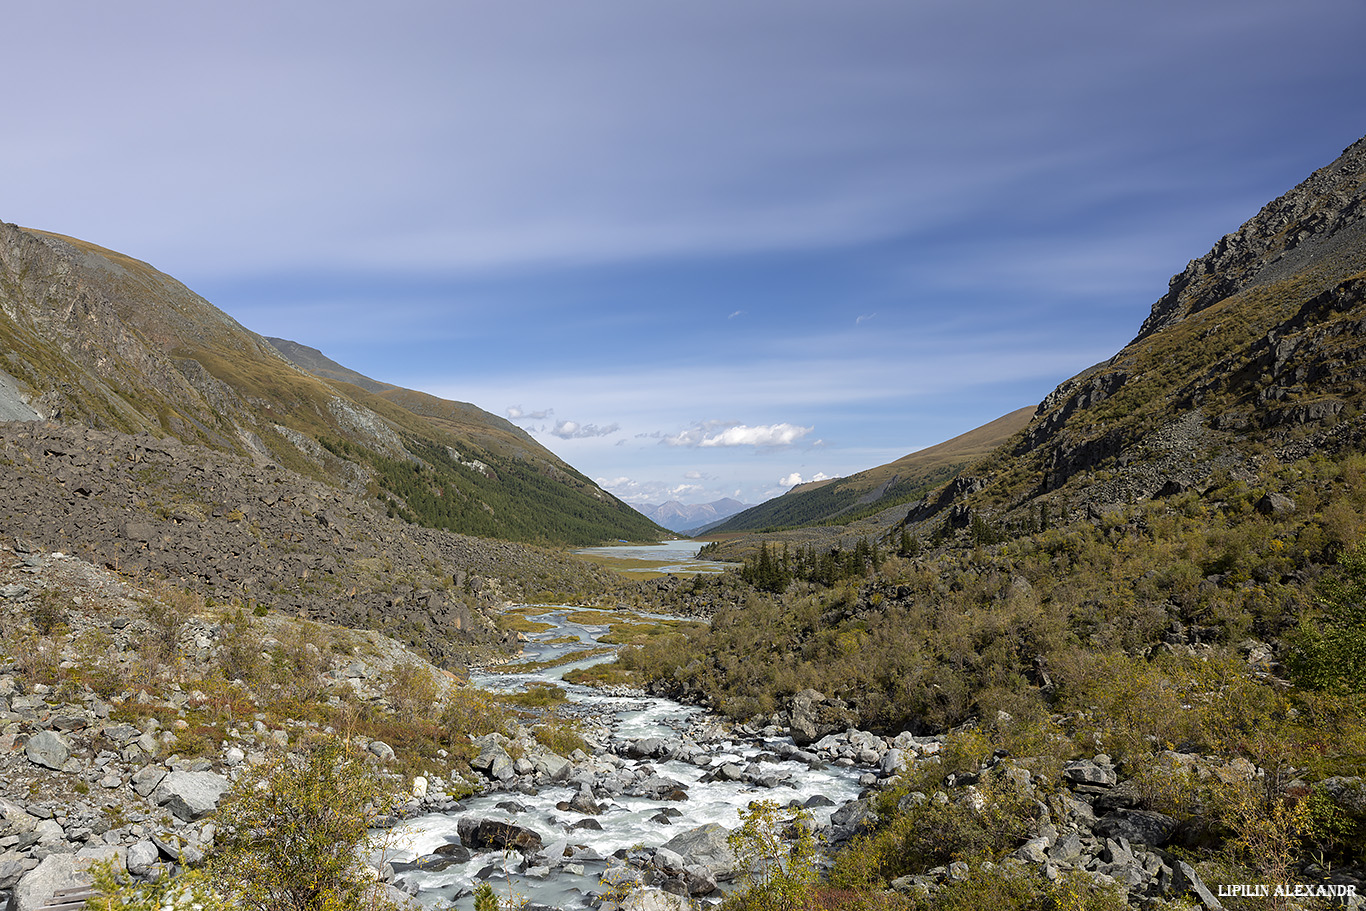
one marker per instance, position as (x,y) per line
(1087,772)
(62,871)
(1348,794)
(1145,827)
(494,762)
(651,899)
(48,749)
(552,766)
(146,779)
(190,795)
(705,845)
(142,857)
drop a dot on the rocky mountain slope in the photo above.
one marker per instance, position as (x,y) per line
(96,338)
(1256,348)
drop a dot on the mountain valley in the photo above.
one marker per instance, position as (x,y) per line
(1104,652)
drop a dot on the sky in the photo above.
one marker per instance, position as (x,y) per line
(698,249)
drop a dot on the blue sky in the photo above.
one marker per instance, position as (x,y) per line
(699,249)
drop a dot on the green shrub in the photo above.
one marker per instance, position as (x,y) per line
(775,851)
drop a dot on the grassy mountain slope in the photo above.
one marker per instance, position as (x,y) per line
(95,337)
(841,500)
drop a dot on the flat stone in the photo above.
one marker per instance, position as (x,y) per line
(146,779)
(1086,772)
(48,749)
(190,795)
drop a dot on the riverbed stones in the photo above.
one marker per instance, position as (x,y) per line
(494,762)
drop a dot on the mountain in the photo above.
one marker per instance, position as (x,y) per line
(97,338)
(1255,350)
(675,516)
(842,500)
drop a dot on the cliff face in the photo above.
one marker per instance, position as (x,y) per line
(1318,227)
(1258,343)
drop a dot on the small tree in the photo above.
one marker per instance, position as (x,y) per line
(294,827)
(1331,649)
(777,854)
(292,832)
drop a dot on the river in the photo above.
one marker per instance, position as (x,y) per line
(667,557)
(627,822)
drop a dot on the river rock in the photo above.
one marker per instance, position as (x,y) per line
(552,766)
(190,795)
(651,899)
(48,749)
(494,762)
(705,845)
(582,802)
(498,835)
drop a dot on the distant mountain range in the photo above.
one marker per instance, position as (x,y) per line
(676,516)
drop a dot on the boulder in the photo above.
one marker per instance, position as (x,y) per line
(651,899)
(141,857)
(1145,827)
(62,871)
(48,749)
(190,795)
(1347,794)
(1087,772)
(494,762)
(497,835)
(552,766)
(705,845)
(146,779)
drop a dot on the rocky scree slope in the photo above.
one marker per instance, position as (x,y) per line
(92,337)
(258,533)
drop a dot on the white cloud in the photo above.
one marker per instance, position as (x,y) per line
(518,413)
(737,313)
(860,320)
(573,430)
(725,433)
(795,478)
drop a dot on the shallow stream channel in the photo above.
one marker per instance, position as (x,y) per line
(658,770)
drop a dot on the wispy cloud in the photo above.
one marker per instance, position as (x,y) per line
(727,433)
(518,413)
(859,321)
(795,478)
(737,313)
(573,430)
